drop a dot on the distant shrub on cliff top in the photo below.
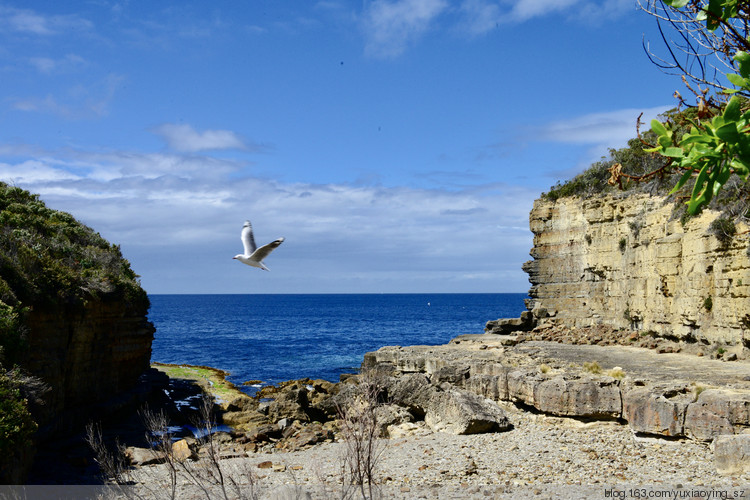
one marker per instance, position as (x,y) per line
(594,180)
(733,199)
(47,257)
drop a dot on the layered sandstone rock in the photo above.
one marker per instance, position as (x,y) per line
(669,395)
(89,355)
(625,262)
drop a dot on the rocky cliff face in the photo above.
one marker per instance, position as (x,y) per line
(626,263)
(73,329)
(88,355)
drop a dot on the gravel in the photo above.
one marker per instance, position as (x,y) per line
(541,457)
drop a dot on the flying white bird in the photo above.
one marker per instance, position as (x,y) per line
(254,256)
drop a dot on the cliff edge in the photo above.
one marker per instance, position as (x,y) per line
(627,262)
(73,329)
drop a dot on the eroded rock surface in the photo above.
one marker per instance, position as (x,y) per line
(627,262)
(671,395)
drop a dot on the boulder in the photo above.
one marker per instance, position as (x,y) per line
(460,412)
(717,412)
(290,402)
(657,410)
(181,451)
(391,415)
(507,326)
(587,397)
(305,436)
(732,454)
(521,384)
(144,456)
(244,420)
(412,391)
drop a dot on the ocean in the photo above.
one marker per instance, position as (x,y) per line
(273,338)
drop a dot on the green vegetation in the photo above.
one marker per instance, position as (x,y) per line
(16,424)
(596,179)
(212,379)
(716,145)
(592,367)
(708,303)
(699,150)
(724,230)
(47,259)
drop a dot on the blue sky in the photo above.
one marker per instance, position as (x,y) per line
(397,145)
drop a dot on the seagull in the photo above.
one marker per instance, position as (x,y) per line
(254,256)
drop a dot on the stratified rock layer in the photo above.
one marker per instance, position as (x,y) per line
(88,355)
(626,263)
(670,395)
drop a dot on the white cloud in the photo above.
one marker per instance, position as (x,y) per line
(169,215)
(184,138)
(613,127)
(523,10)
(79,102)
(390,26)
(30,22)
(600,131)
(48,65)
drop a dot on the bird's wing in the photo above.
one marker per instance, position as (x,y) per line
(263,251)
(248,241)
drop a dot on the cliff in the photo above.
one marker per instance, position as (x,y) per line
(73,329)
(89,356)
(627,263)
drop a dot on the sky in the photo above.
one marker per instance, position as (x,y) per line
(397,145)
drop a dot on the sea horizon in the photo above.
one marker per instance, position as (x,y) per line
(277,337)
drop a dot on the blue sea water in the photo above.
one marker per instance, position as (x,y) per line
(273,338)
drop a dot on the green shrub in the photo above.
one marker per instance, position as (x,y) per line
(724,230)
(733,199)
(16,425)
(48,256)
(708,303)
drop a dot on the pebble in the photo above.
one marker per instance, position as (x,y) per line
(541,456)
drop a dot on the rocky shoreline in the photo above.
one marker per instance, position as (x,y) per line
(493,415)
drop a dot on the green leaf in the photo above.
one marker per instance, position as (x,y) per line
(743,62)
(693,138)
(728,133)
(678,4)
(658,127)
(736,79)
(687,175)
(673,152)
(721,179)
(740,167)
(732,112)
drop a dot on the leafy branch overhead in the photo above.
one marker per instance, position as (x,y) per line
(714,143)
